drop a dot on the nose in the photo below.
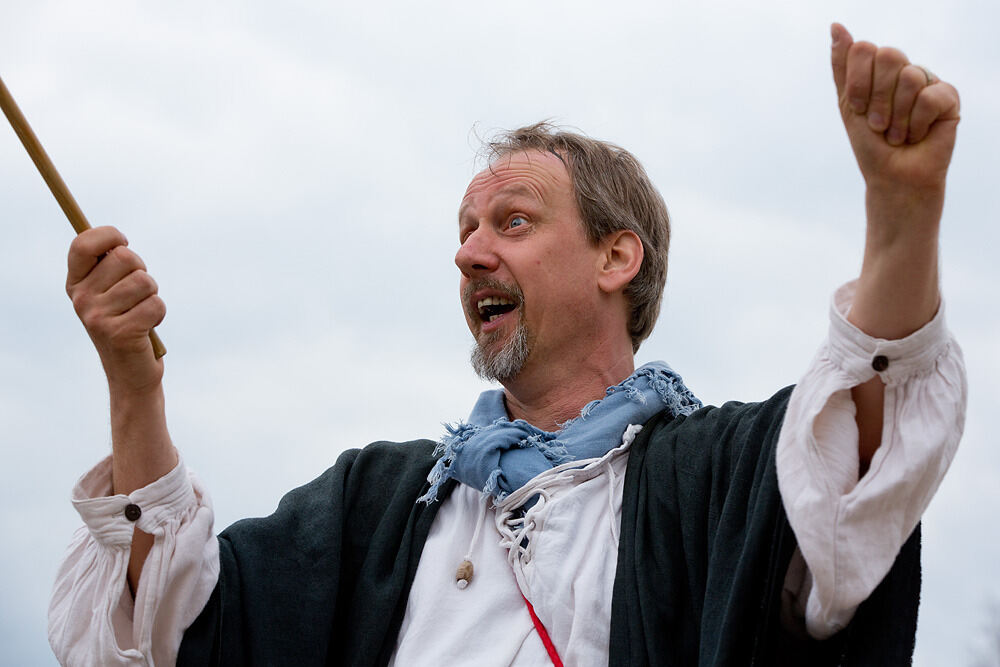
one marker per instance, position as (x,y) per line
(477,254)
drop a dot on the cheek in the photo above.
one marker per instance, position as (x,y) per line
(461,302)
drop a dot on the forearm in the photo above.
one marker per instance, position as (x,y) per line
(141,446)
(897,291)
(141,454)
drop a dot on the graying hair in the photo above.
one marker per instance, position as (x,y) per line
(506,362)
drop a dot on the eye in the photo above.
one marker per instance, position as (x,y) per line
(516,221)
(464,232)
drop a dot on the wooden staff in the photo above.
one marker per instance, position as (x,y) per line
(54,180)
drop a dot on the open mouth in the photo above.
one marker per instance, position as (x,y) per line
(493,307)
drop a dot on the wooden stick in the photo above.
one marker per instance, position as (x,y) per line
(54,180)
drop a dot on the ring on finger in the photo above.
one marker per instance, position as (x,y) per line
(931,79)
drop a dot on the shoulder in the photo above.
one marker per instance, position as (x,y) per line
(730,419)
(384,473)
(714,436)
(716,464)
(379,461)
(392,458)
(365,483)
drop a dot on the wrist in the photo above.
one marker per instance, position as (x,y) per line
(131,397)
(903,217)
(142,449)
(903,195)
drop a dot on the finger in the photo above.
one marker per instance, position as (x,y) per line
(118,263)
(128,292)
(931,77)
(150,312)
(909,84)
(858,84)
(888,64)
(842,41)
(935,103)
(88,248)
(129,331)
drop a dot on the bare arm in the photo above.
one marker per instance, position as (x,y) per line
(902,125)
(117,302)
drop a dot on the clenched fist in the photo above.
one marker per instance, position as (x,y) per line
(900,118)
(116,299)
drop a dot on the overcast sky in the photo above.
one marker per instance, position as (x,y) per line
(291,174)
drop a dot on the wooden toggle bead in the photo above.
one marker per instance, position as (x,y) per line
(463,576)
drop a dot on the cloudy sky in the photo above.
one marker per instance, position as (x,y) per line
(291,174)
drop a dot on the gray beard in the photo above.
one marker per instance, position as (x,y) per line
(504,363)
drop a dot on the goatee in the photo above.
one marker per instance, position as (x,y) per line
(505,363)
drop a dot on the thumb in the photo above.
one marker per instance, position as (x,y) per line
(842,41)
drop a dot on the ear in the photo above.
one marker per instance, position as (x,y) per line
(620,260)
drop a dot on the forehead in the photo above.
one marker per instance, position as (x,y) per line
(536,174)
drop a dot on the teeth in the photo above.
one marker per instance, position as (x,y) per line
(494,301)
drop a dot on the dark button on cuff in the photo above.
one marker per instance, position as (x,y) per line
(132,512)
(880,363)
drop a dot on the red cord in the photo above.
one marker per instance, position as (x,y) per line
(543,634)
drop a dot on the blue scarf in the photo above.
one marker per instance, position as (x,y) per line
(492,453)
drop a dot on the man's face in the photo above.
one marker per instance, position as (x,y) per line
(528,269)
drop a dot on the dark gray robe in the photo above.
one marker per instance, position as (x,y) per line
(704,548)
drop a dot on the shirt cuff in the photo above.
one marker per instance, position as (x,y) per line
(849,530)
(862,356)
(111,519)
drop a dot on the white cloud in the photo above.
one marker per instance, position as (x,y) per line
(291,176)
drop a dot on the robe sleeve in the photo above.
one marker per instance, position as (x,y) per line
(324,579)
(93,619)
(849,531)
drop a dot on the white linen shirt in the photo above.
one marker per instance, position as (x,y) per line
(848,531)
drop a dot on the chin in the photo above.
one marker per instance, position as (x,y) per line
(503,364)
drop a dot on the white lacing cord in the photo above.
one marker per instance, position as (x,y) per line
(463,576)
(515,529)
(612,483)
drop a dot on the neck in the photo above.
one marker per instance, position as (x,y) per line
(548,396)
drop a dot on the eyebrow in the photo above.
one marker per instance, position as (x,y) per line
(512,190)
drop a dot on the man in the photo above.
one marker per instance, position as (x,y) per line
(634,527)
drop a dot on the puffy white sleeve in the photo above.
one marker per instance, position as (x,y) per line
(849,531)
(93,619)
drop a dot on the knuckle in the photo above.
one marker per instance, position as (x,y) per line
(78,251)
(79,301)
(142,282)
(929,98)
(890,56)
(159,308)
(952,94)
(93,322)
(119,254)
(862,50)
(146,280)
(78,242)
(912,77)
